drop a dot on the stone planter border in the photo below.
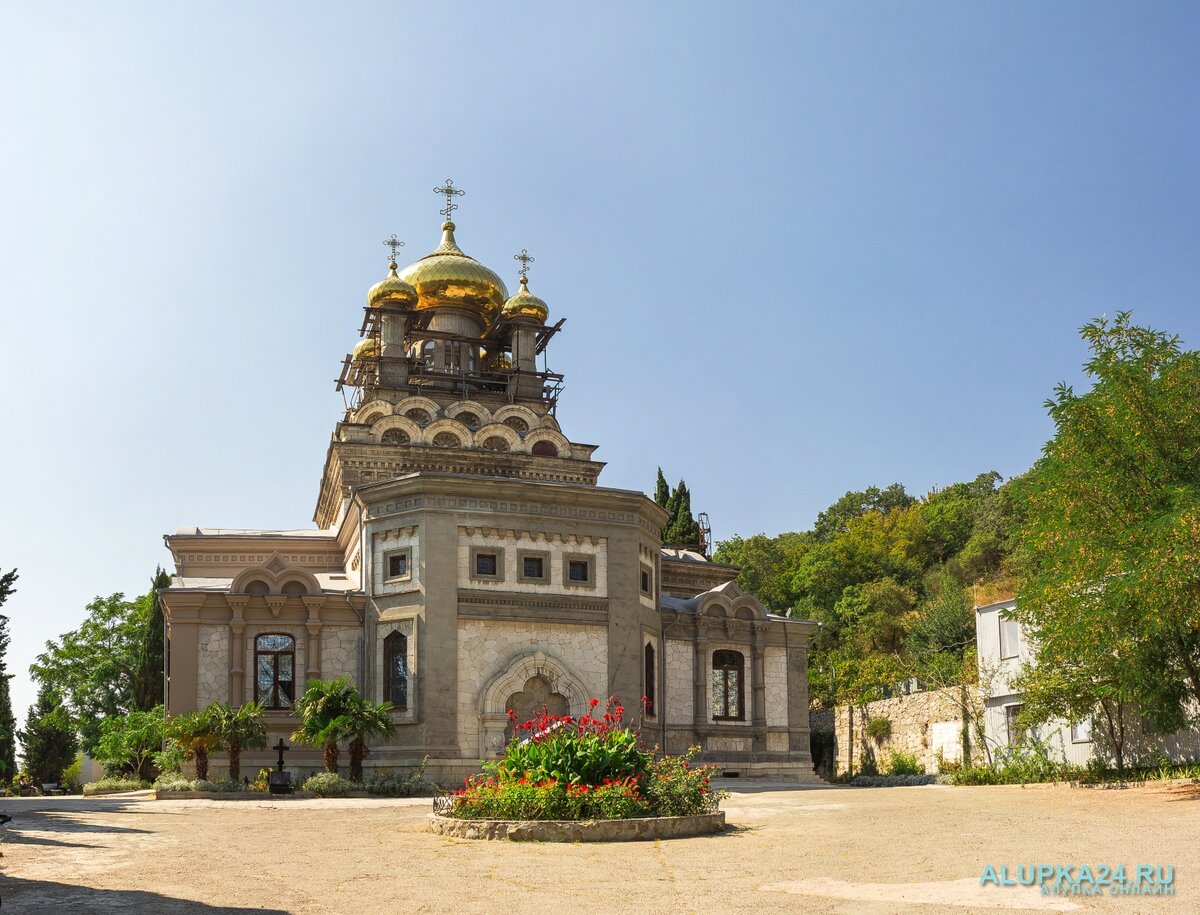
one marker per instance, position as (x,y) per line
(251,795)
(630,830)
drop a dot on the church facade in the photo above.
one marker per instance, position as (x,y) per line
(466,562)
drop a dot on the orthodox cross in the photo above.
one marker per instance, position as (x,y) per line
(281,746)
(392,243)
(526,259)
(449,191)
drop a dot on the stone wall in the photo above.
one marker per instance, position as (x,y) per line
(775,680)
(212,665)
(679,682)
(555,548)
(339,653)
(487,649)
(921,724)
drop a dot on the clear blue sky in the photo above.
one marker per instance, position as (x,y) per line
(802,248)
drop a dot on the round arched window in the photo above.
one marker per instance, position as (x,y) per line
(395,437)
(495,443)
(517,424)
(447,440)
(418,416)
(468,419)
(545,449)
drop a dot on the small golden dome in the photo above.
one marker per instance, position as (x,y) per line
(365,349)
(525,305)
(448,278)
(392,290)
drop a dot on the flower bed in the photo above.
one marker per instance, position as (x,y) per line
(568,771)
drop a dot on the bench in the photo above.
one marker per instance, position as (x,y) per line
(53,788)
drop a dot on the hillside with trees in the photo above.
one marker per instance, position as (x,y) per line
(892,579)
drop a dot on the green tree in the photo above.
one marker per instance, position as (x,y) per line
(127,742)
(1109,556)
(110,665)
(48,741)
(8,721)
(198,733)
(662,492)
(240,728)
(835,519)
(682,529)
(367,720)
(324,709)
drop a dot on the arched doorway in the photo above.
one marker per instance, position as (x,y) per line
(533,697)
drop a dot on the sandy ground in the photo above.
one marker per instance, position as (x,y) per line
(787,850)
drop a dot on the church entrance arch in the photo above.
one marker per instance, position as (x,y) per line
(536,695)
(529,683)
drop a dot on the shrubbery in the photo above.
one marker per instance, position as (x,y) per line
(900,763)
(173,782)
(400,784)
(590,768)
(329,784)
(115,783)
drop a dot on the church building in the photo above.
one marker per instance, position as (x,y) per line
(465,562)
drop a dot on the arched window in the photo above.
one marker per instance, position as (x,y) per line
(517,424)
(447,440)
(649,684)
(418,416)
(395,667)
(495,443)
(294,589)
(274,670)
(258,589)
(395,437)
(729,670)
(468,419)
(545,449)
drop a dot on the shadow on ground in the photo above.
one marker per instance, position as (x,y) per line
(47,896)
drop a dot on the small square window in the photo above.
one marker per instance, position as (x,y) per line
(579,570)
(1081,731)
(534,567)
(398,565)
(485,564)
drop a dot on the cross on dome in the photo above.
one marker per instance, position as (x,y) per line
(526,259)
(394,243)
(449,191)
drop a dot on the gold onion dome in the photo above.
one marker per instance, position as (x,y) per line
(392,290)
(365,349)
(448,278)
(526,305)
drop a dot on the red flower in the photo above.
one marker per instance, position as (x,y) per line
(593,703)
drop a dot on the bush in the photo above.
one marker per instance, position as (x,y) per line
(262,781)
(170,758)
(329,784)
(879,729)
(172,781)
(675,788)
(900,763)
(401,784)
(72,777)
(1021,765)
(119,783)
(591,768)
(892,781)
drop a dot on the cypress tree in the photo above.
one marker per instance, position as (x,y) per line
(151,673)
(48,743)
(8,721)
(662,492)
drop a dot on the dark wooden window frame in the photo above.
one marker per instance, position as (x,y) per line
(723,663)
(271,702)
(395,643)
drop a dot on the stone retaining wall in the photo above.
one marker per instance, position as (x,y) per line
(579,830)
(921,724)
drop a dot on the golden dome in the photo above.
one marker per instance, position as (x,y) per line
(392,290)
(448,278)
(526,305)
(365,349)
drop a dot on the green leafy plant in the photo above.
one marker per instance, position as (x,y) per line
(328,784)
(324,720)
(236,729)
(113,783)
(401,784)
(197,733)
(675,787)
(127,742)
(879,729)
(901,763)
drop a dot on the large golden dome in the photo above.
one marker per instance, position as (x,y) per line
(448,278)
(392,290)
(526,305)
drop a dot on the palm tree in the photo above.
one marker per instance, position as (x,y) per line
(323,712)
(366,720)
(197,734)
(237,729)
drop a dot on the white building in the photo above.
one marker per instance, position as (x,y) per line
(1002,650)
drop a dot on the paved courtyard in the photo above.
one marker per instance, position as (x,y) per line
(788,850)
